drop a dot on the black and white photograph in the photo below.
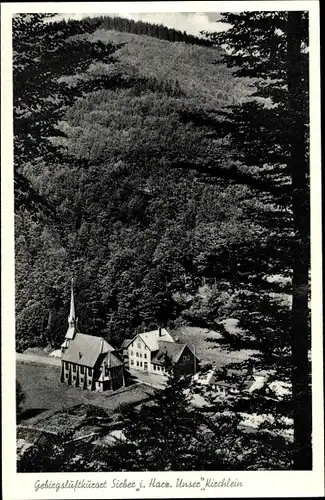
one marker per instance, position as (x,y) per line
(162,266)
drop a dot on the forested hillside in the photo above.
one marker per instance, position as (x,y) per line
(135,227)
(154,30)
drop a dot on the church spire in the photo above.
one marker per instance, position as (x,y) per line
(72,315)
(72,321)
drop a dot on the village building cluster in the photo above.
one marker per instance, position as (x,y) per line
(90,362)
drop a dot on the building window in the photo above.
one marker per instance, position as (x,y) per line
(140,355)
(132,362)
(74,367)
(82,370)
(131,353)
(66,364)
(140,363)
(89,372)
(145,356)
(137,354)
(137,363)
(139,346)
(154,367)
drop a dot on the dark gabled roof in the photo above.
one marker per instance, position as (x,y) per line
(126,343)
(86,349)
(171,350)
(113,359)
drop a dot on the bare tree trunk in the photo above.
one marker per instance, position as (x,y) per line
(300,333)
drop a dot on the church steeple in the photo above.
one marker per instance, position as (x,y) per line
(72,322)
(72,316)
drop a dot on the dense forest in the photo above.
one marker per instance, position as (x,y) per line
(154,30)
(158,175)
(137,232)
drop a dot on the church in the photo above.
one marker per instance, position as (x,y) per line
(87,361)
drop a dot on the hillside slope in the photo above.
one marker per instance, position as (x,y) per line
(134,230)
(195,67)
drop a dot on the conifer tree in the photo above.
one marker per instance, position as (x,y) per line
(269,135)
(168,434)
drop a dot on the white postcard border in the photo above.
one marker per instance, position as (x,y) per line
(255,484)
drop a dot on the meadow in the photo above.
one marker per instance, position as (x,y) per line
(45,393)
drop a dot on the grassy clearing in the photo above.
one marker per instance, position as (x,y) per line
(205,342)
(45,393)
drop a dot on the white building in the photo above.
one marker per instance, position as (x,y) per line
(153,351)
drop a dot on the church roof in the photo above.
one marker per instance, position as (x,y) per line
(113,359)
(86,349)
(151,338)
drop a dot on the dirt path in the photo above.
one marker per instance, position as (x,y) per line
(34,358)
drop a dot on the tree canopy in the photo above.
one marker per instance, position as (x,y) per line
(50,70)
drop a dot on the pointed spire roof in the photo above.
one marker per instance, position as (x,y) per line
(72,320)
(72,315)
